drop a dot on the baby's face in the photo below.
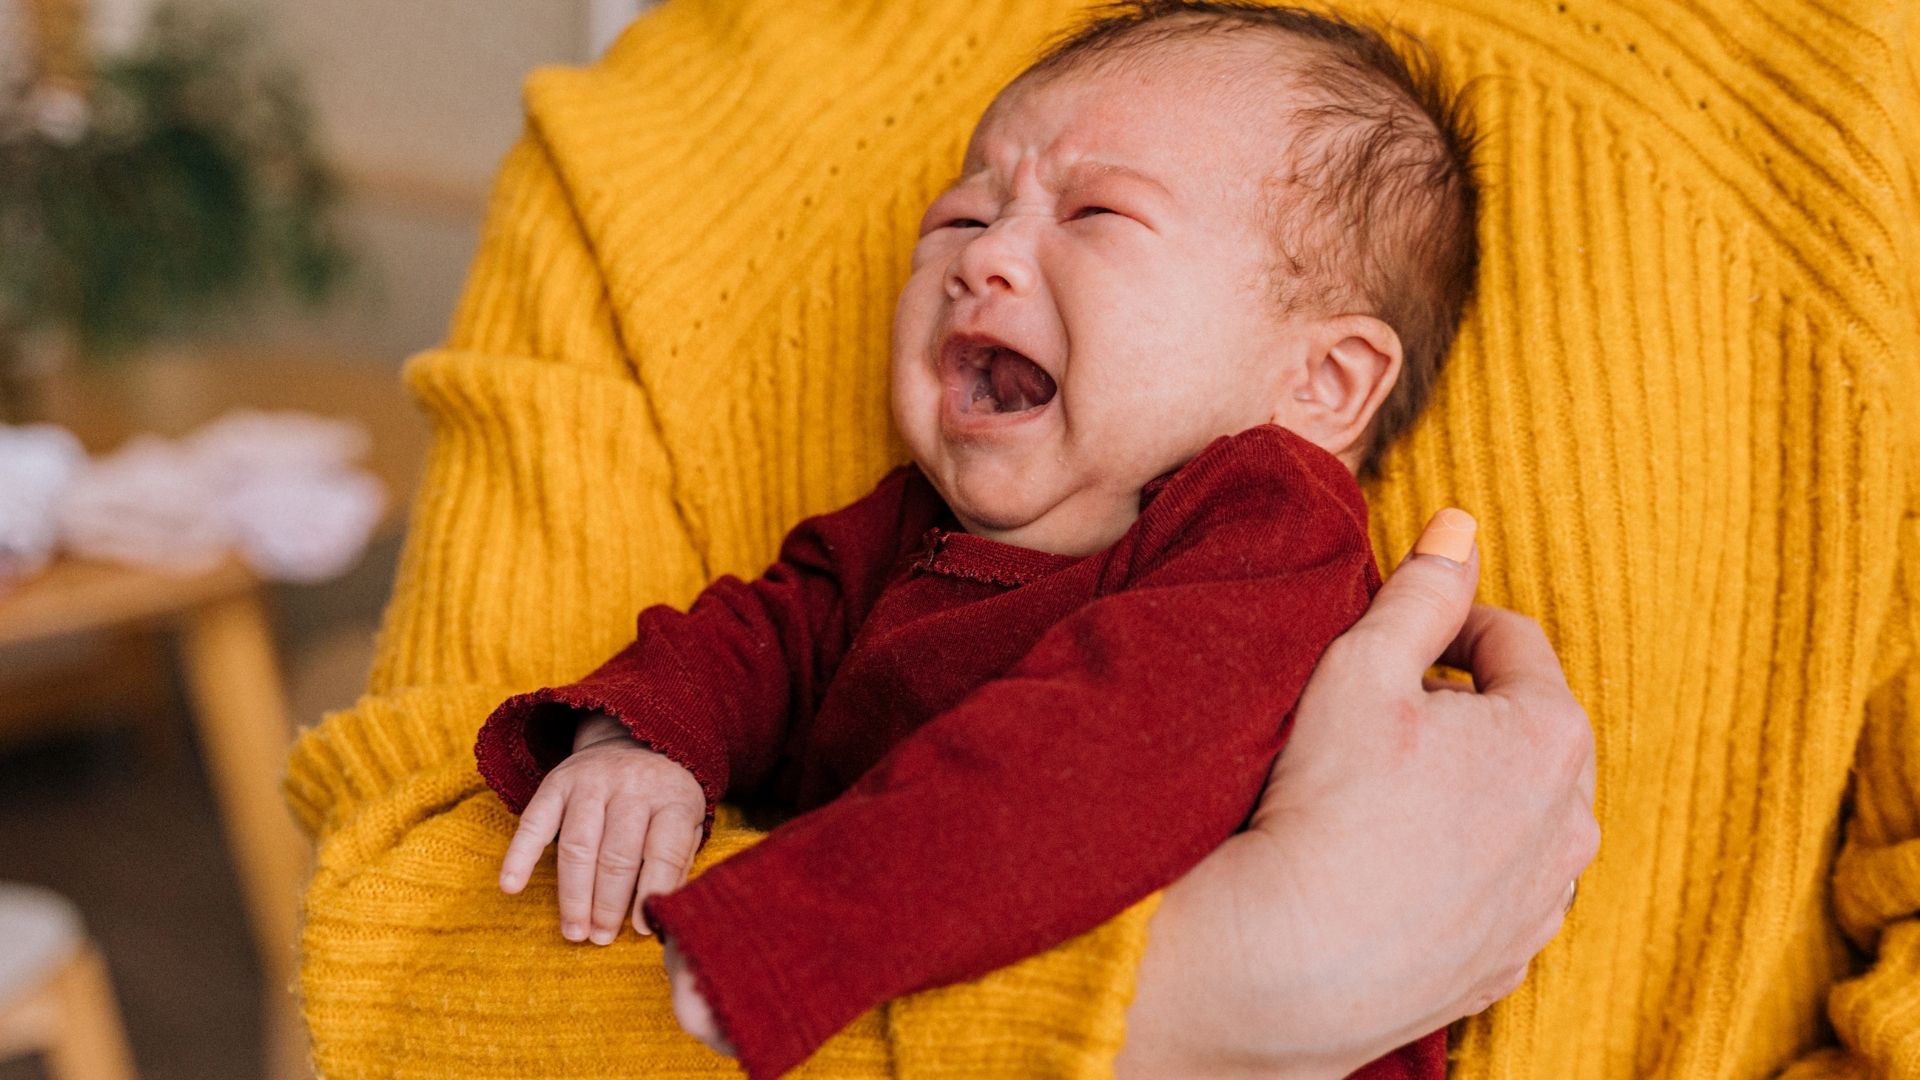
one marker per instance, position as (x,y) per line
(1107,229)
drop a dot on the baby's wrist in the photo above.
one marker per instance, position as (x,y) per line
(596,727)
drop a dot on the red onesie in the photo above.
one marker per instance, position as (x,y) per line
(995,749)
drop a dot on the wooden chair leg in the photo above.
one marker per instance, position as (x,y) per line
(240,705)
(287,1053)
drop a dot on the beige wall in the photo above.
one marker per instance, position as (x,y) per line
(417,100)
(427,87)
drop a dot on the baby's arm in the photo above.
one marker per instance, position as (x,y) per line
(1131,741)
(711,692)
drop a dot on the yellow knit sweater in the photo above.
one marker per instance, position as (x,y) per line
(1682,410)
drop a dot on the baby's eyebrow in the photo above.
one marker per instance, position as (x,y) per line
(1112,168)
(1080,172)
(968,170)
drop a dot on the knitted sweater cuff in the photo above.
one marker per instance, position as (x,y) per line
(528,734)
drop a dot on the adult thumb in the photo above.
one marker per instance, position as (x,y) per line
(1421,608)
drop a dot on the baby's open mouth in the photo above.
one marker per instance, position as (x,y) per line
(996,379)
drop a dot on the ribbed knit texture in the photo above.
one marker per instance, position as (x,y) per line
(1682,409)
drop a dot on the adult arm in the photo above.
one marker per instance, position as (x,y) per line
(1411,853)
(1876,880)
(533,405)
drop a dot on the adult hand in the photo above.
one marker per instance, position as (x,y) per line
(1411,853)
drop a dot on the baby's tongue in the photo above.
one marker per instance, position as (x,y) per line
(1018,382)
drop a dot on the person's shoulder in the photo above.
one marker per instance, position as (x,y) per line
(1263,473)
(1261,502)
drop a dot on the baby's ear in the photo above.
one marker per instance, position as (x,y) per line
(1350,365)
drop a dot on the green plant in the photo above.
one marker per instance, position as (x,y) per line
(182,176)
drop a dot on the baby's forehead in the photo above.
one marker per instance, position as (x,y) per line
(1179,106)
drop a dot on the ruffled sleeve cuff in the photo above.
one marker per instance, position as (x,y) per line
(528,734)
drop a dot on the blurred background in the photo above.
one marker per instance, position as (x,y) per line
(224,224)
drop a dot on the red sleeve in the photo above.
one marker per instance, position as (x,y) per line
(1130,742)
(715,687)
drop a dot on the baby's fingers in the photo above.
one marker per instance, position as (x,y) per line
(619,864)
(579,851)
(672,836)
(539,822)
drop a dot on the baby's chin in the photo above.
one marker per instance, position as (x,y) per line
(1072,522)
(989,496)
(989,511)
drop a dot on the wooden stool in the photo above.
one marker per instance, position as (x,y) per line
(55,998)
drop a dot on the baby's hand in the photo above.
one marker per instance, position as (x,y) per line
(692,1010)
(628,821)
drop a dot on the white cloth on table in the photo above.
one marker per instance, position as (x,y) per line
(305,527)
(280,489)
(150,503)
(38,462)
(300,508)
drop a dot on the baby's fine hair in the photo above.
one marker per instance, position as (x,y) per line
(1377,209)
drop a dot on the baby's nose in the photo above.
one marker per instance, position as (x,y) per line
(959,286)
(992,262)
